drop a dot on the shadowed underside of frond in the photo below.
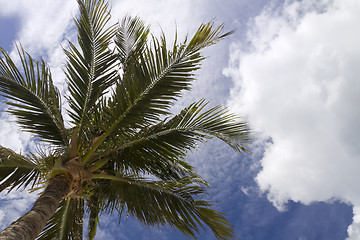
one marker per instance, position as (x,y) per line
(35,100)
(161,203)
(16,171)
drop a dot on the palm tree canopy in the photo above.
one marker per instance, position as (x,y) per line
(125,151)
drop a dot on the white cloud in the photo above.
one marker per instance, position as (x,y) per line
(43,22)
(300,86)
(13,205)
(10,135)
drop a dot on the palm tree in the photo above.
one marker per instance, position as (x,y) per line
(124,151)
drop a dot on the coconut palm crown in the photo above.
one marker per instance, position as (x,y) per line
(124,152)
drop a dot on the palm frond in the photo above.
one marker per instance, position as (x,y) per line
(159,150)
(36,101)
(216,220)
(67,222)
(216,122)
(151,85)
(90,69)
(94,208)
(117,104)
(130,40)
(16,170)
(150,158)
(158,203)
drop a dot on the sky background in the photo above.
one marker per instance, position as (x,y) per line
(291,69)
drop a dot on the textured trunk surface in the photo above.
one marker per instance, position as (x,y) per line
(28,226)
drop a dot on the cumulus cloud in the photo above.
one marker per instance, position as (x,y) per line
(13,205)
(299,86)
(43,23)
(10,136)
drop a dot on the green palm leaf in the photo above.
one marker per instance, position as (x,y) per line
(16,171)
(90,69)
(156,80)
(131,40)
(94,208)
(160,149)
(158,203)
(67,222)
(216,122)
(36,101)
(122,128)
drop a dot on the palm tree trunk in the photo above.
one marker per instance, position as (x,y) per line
(28,226)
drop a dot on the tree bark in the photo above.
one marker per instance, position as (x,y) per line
(28,226)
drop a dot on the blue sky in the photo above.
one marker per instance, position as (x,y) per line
(9,26)
(291,70)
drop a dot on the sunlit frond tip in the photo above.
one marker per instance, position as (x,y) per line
(216,122)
